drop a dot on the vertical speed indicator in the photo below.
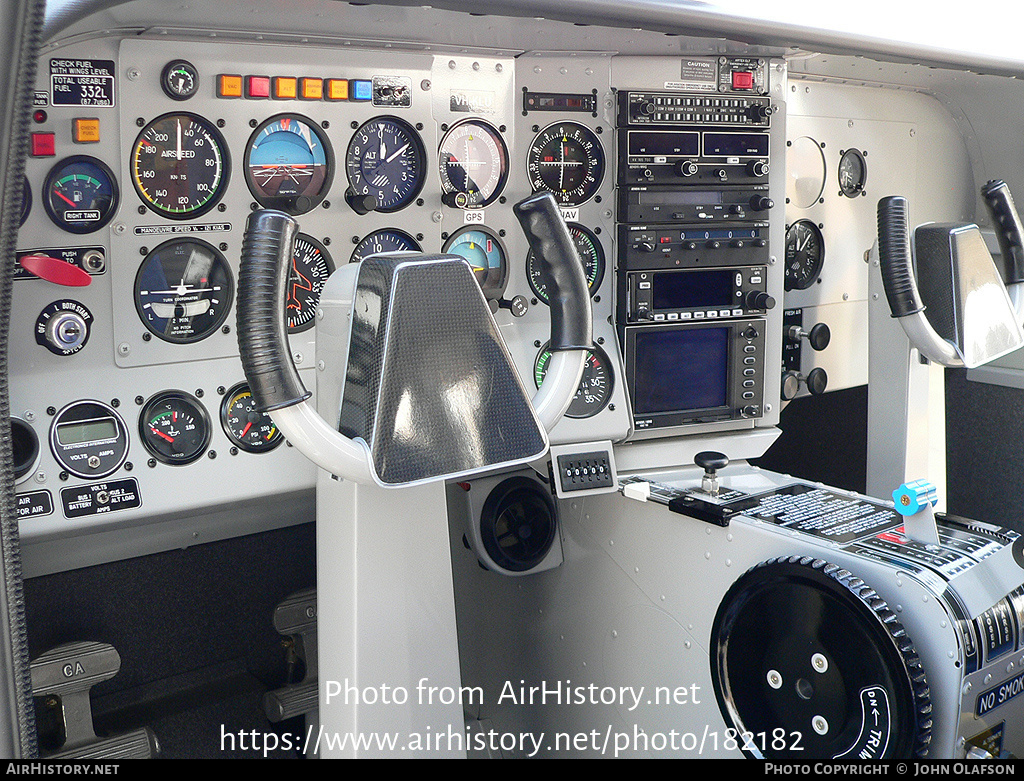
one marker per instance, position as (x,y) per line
(566,159)
(179,165)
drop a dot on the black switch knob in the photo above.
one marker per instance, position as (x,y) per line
(685,168)
(361,203)
(817,381)
(760,203)
(818,337)
(759,111)
(758,299)
(517,306)
(758,168)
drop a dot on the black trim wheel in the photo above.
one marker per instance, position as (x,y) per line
(809,662)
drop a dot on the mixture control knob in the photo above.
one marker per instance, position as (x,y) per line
(819,336)
(710,461)
(361,203)
(759,299)
(758,168)
(760,203)
(686,168)
(816,380)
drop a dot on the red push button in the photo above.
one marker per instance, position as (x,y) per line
(742,80)
(44,144)
(257,86)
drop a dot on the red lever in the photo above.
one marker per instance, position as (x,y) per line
(60,272)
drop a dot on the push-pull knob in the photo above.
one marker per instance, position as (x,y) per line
(816,381)
(819,336)
(710,461)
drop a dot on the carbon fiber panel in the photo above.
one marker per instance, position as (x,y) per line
(433,392)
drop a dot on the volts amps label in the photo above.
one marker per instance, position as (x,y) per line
(82,82)
(100,498)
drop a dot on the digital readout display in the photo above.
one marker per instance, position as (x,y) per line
(680,369)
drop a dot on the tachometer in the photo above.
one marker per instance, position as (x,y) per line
(311,265)
(289,164)
(80,194)
(183,290)
(474,164)
(386,164)
(591,256)
(179,165)
(566,159)
(595,386)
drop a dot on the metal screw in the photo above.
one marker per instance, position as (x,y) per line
(774,679)
(820,725)
(819,663)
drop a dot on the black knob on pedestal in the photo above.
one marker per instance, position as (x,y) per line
(711,461)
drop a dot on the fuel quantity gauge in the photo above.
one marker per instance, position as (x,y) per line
(247,427)
(80,194)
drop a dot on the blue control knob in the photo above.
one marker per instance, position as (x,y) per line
(911,498)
